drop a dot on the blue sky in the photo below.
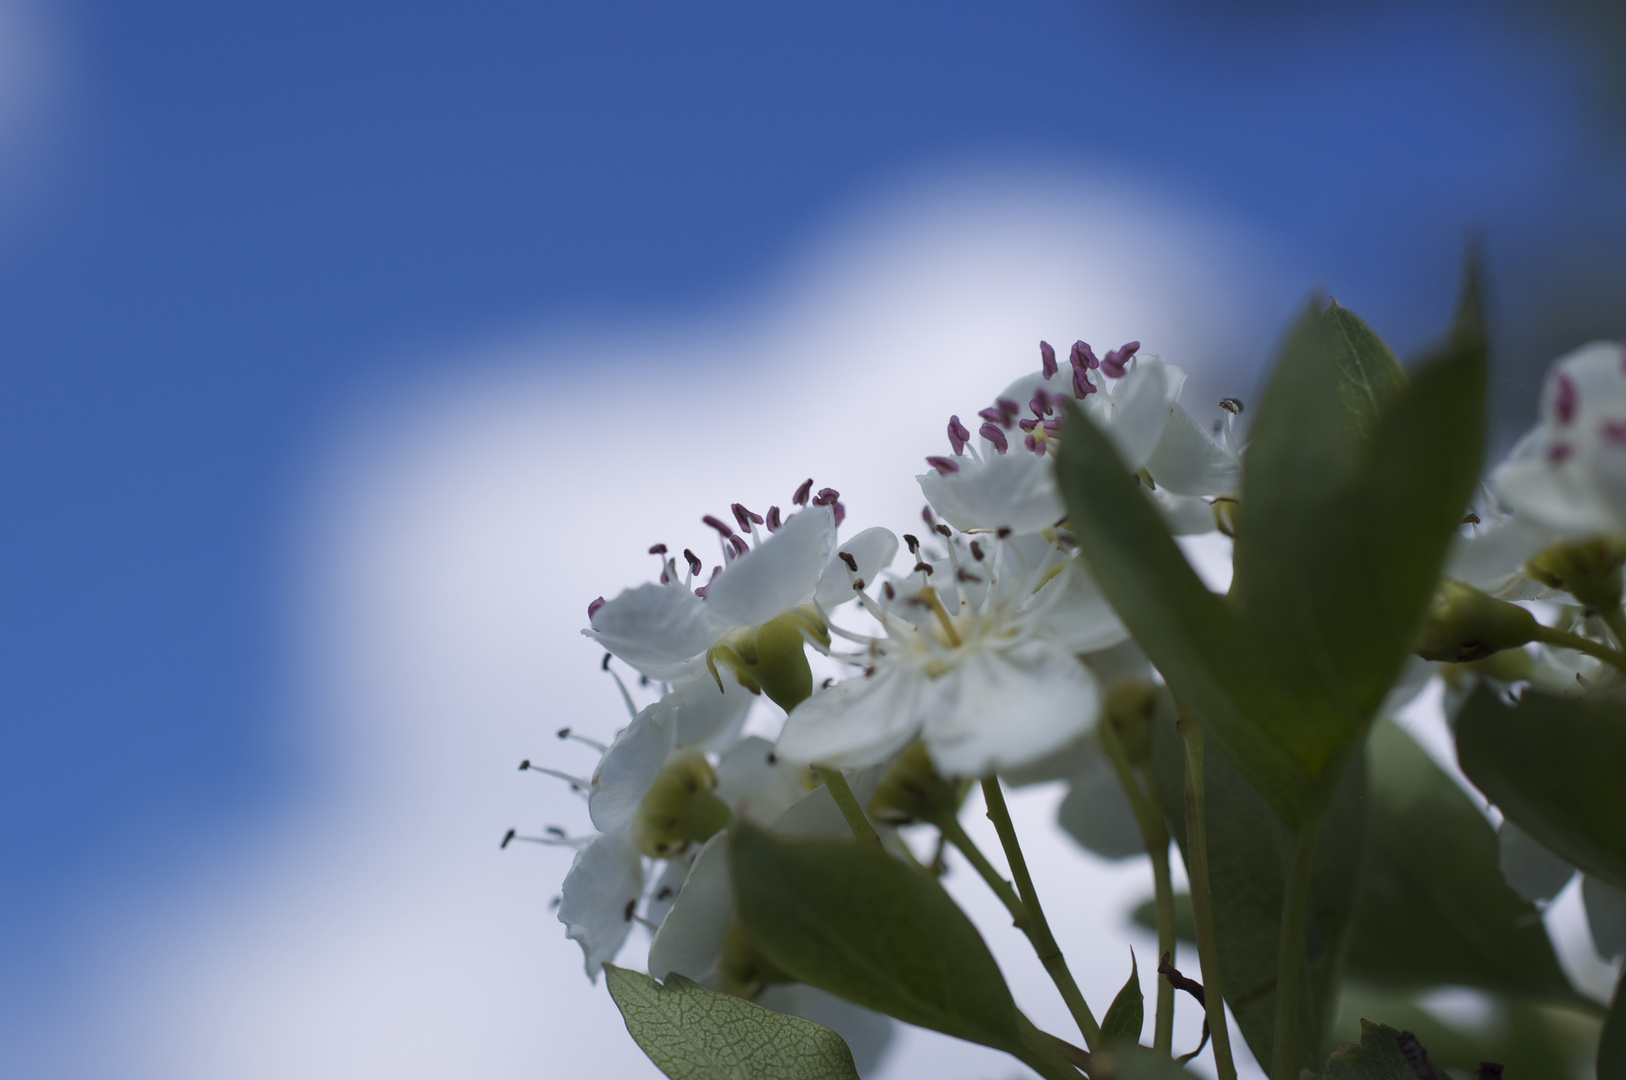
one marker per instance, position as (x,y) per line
(231,228)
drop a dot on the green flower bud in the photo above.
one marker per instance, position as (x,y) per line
(1131,707)
(1464,624)
(770,659)
(911,790)
(1225,509)
(679,808)
(1589,570)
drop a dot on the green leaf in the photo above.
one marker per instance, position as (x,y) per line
(1127,1014)
(1247,867)
(1378,1057)
(1554,767)
(1129,1061)
(1612,1043)
(855,922)
(1436,910)
(692,1033)
(1185,917)
(1370,374)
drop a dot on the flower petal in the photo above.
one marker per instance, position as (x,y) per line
(706,716)
(756,783)
(629,766)
(658,629)
(854,723)
(873,551)
(598,896)
(1137,410)
(1015,491)
(690,938)
(777,574)
(1605,916)
(995,710)
(1187,462)
(1076,615)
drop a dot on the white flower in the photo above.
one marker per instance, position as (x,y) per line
(781,585)
(1568,473)
(979,659)
(1006,481)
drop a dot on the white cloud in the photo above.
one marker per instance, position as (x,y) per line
(31,87)
(458,540)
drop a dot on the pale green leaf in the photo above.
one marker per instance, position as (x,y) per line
(1370,373)
(693,1033)
(1127,1014)
(1378,1056)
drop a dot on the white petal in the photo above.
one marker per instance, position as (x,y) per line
(1597,377)
(854,723)
(667,885)
(1187,462)
(605,878)
(816,813)
(873,551)
(866,1033)
(1493,561)
(1097,814)
(1014,490)
(690,938)
(629,766)
(705,716)
(1605,916)
(995,710)
(1185,515)
(1078,618)
(658,629)
(1531,870)
(1120,663)
(776,575)
(756,783)
(1134,415)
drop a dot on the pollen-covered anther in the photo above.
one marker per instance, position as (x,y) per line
(722,527)
(852,563)
(657,549)
(944,465)
(695,565)
(773,519)
(1047,359)
(992,433)
(1231,405)
(592,608)
(924,568)
(1112,364)
(737,542)
(1564,398)
(745,517)
(800,498)
(958,435)
(1082,357)
(943,530)
(912,542)
(1082,386)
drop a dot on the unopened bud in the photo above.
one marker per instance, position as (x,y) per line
(1464,624)
(1225,509)
(911,790)
(1589,570)
(771,659)
(1131,708)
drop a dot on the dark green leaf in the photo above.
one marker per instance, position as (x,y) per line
(692,1033)
(1127,1014)
(855,922)
(1554,766)
(1370,374)
(1185,917)
(1377,1057)
(1612,1043)
(1436,910)
(1127,1061)
(1247,867)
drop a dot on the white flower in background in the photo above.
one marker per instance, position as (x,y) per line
(754,613)
(1006,481)
(1568,474)
(978,658)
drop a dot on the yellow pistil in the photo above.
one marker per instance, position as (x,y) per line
(929,595)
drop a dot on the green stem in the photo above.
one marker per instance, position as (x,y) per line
(1044,943)
(1202,901)
(950,827)
(1155,835)
(1295,900)
(1564,639)
(1043,1053)
(847,802)
(1615,619)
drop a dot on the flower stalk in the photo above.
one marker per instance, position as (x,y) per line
(1202,901)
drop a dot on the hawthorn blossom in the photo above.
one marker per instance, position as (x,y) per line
(979,659)
(1006,480)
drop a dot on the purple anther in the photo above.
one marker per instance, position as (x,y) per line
(1041,404)
(1032,444)
(1082,386)
(945,531)
(943,465)
(718,524)
(1027,424)
(846,557)
(1008,411)
(658,549)
(926,516)
(745,517)
(1047,359)
(911,542)
(1003,531)
(1558,453)
(737,542)
(701,592)
(1083,357)
(1112,364)
(695,565)
(800,498)
(773,519)
(592,609)
(958,435)
(665,578)
(826,497)
(992,433)
(992,415)
(1614,431)
(924,568)
(891,593)
(1052,428)
(1039,446)
(976,551)
(1564,398)
(840,513)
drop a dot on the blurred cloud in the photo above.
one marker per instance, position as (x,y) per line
(32,78)
(455,537)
